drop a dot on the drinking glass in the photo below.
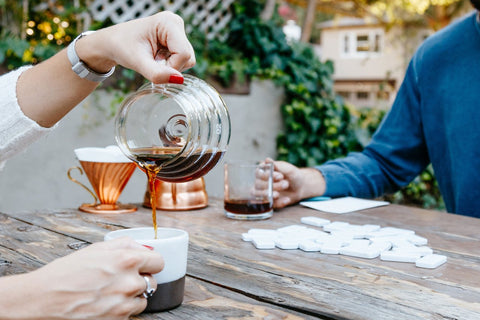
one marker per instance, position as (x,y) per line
(248,190)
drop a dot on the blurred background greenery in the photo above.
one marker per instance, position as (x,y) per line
(318,124)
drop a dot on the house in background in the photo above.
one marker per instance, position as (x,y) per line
(369,60)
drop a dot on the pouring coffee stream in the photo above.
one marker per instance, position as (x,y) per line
(174,133)
(151,175)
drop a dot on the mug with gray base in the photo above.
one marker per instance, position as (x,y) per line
(172,244)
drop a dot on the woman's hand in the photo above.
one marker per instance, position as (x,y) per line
(102,281)
(49,90)
(141,45)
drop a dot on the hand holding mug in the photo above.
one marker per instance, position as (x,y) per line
(102,281)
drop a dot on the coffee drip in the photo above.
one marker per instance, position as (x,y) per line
(174,133)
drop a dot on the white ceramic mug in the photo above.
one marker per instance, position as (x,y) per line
(172,244)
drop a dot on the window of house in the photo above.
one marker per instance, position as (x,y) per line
(383,95)
(377,43)
(363,95)
(362,43)
(346,44)
(344,94)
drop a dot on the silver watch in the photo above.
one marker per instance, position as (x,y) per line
(80,68)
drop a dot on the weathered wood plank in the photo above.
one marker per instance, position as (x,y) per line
(323,285)
(25,247)
(33,242)
(207,301)
(202,300)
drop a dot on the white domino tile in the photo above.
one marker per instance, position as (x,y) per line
(331,247)
(371,227)
(417,240)
(380,245)
(423,250)
(336,226)
(399,256)
(247,236)
(286,243)
(360,249)
(367,253)
(315,221)
(292,228)
(309,246)
(390,232)
(264,232)
(260,243)
(431,261)
(367,241)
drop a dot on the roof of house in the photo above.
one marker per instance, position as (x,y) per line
(347,22)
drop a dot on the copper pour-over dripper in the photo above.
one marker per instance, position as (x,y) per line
(108,180)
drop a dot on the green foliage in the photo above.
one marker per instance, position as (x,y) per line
(47,30)
(15,52)
(318,126)
(366,122)
(422,192)
(12,49)
(217,59)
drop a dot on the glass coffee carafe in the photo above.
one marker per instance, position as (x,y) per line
(181,130)
(174,132)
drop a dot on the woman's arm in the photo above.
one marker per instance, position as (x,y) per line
(48,91)
(104,280)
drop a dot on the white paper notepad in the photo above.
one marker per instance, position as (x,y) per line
(343,205)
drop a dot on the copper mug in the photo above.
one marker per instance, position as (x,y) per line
(178,196)
(108,175)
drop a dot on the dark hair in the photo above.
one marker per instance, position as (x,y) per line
(476,4)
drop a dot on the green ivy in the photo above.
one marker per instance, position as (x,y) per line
(319,126)
(51,29)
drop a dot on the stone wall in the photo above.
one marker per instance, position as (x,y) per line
(37,178)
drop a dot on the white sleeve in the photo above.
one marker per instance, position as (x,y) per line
(17,131)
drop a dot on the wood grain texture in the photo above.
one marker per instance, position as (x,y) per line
(287,283)
(25,247)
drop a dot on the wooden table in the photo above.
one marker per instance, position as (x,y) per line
(228,278)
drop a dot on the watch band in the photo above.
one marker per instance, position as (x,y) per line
(80,68)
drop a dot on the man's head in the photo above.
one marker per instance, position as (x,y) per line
(476,4)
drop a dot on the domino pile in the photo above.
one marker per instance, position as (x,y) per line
(363,241)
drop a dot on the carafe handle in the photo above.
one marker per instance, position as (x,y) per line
(81,184)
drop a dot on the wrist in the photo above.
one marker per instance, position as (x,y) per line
(88,55)
(46,299)
(314,183)
(18,302)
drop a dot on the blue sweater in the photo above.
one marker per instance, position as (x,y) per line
(435,119)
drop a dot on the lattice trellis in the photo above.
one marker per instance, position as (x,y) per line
(211,16)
